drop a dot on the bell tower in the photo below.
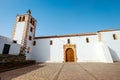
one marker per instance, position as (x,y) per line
(24,32)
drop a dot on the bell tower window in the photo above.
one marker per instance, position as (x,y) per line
(31,29)
(30,37)
(32,21)
(20,18)
(23,18)
(34,43)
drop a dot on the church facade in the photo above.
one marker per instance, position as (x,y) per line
(102,46)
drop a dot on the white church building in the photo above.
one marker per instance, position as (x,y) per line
(101,46)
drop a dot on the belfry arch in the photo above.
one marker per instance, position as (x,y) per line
(70,53)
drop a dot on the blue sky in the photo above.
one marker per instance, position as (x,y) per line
(57,17)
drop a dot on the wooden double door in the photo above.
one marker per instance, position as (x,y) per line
(70,55)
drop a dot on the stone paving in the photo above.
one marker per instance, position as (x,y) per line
(65,71)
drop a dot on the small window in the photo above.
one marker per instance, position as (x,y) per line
(23,19)
(28,48)
(87,40)
(51,42)
(33,23)
(27,51)
(34,43)
(14,41)
(30,37)
(68,41)
(115,37)
(31,20)
(31,29)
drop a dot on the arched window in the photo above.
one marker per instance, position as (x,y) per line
(20,18)
(115,37)
(23,18)
(87,40)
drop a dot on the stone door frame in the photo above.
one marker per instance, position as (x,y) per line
(73,47)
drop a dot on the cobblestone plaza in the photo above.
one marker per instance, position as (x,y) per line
(65,71)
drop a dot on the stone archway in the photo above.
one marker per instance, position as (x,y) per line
(69,53)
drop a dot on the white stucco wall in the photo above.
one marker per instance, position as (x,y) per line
(41,51)
(85,52)
(19,32)
(104,53)
(113,45)
(14,48)
(107,50)
(3,40)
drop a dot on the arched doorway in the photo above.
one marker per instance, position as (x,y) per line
(70,55)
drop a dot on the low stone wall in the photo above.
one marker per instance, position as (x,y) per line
(9,58)
(9,62)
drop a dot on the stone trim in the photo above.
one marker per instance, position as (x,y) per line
(14,29)
(65,47)
(109,30)
(24,36)
(69,35)
(99,37)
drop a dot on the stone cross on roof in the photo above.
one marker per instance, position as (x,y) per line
(29,12)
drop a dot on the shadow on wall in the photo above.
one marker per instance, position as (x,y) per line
(10,75)
(114,55)
(41,52)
